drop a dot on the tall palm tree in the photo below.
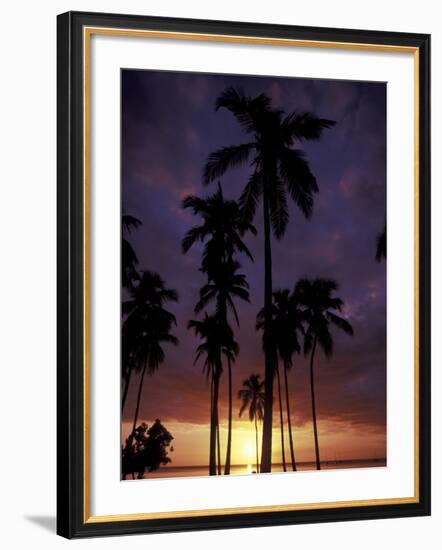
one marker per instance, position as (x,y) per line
(381,245)
(129,259)
(150,325)
(217,339)
(209,331)
(222,230)
(224,285)
(277,171)
(149,293)
(316,296)
(252,396)
(129,276)
(288,322)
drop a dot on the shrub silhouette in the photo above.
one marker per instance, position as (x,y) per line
(146,450)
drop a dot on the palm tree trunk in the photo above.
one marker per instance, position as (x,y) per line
(256,437)
(312,387)
(212,437)
(137,408)
(266,453)
(218,445)
(214,434)
(216,399)
(229,433)
(281,418)
(289,421)
(125,390)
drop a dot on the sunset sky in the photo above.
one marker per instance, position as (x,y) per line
(169,127)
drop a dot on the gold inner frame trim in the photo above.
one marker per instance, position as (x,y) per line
(87,34)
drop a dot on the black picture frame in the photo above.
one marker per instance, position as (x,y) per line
(71,520)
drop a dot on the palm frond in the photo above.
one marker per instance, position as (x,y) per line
(128,222)
(250,195)
(340,322)
(335,303)
(191,237)
(296,174)
(197,204)
(381,245)
(247,111)
(325,340)
(207,294)
(223,159)
(304,126)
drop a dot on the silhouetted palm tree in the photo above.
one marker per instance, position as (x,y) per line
(217,340)
(150,325)
(278,170)
(287,319)
(317,297)
(209,332)
(129,258)
(208,348)
(222,230)
(129,276)
(252,396)
(224,285)
(381,244)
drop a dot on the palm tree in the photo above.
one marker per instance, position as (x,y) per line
(224,285)
(288,323)
(316,296)
(217,339)
(129,259)
(150,325)
(278,170)
(381,245)
(222,230)
(207,330)
(252,396)
(129,276)
(287,318)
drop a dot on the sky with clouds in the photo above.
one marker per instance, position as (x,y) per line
(169,127)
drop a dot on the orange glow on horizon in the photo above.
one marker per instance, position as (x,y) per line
(338,441)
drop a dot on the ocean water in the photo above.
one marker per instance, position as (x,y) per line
(249,469)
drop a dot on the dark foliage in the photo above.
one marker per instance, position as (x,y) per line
(146,450)
(381,245)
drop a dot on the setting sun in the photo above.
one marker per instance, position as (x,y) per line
(248,451)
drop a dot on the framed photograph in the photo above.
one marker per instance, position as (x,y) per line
(237,344)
